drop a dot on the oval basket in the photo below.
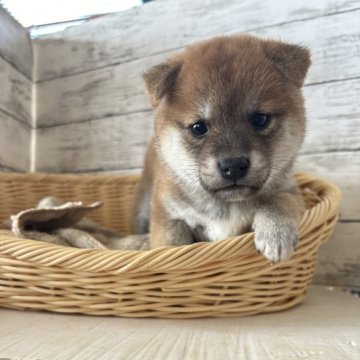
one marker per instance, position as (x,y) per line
(224,278)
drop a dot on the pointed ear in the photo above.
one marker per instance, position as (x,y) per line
(293,61)
(160,80)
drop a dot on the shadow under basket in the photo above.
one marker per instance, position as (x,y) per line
(224,278)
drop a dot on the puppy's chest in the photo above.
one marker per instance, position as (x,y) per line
(213,224)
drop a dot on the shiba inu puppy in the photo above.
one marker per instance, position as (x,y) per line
(229,121)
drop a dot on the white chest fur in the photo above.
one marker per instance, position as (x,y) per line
(213,226)
(220,229)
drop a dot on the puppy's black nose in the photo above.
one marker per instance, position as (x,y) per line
(234,169)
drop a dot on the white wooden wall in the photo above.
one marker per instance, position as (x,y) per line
(92,114)
(16,64)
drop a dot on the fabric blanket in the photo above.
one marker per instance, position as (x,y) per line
(66,224)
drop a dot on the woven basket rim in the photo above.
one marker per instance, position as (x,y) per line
(165,258)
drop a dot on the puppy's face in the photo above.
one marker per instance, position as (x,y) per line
(229,113)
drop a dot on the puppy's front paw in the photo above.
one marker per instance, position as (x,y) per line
(276,240)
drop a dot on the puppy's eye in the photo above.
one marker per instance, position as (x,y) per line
(260,120)
(199,128)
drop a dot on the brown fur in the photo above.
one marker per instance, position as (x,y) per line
(223,81)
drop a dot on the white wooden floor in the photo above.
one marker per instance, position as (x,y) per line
(325,327)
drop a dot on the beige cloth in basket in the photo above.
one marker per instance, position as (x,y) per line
(57,222)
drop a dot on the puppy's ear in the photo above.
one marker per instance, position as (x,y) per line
(160,80)
(293,61)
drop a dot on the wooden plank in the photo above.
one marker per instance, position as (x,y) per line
(333,41)
(339,259)
(342,168)
(333,116)
(139,32)
(14,144)
(5,169)
(15,44)
(15,94)
(113,143)
(119,89)
(94,95)
(325,327)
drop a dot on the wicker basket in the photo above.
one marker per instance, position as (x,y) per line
(224,278)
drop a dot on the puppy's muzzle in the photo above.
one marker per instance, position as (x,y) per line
(234,168)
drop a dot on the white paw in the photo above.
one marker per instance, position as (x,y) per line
(276,240)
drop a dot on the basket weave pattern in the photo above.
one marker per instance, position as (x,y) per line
(218,279)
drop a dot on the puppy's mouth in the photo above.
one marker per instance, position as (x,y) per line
(236,187)
(235,192)
(231,191)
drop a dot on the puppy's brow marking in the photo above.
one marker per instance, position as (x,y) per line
(205,110)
